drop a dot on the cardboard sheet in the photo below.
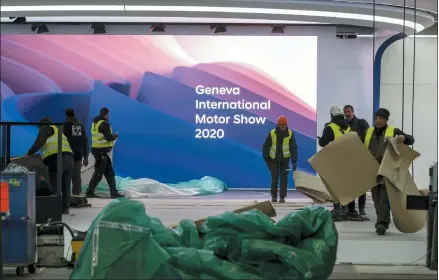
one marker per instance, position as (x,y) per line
(265,207)
(399,184)
(346,168)
(312,186)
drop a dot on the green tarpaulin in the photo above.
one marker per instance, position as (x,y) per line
(125,243)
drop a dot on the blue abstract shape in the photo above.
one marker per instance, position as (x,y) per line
(34,106)
(123,88)
(173,98)
(158,146)
(5,91)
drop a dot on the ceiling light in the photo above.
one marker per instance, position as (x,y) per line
(40,28)
(238,10)
(218,28)
(130,19)
(18,19)
(278,29)
(229,10)
(158,28)
(99,28)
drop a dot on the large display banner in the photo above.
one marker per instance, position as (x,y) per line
(185,106)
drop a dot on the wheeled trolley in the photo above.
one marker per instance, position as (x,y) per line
(18,232)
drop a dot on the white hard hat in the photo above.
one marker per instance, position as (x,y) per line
(336,110)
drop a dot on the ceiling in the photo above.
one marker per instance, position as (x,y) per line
(387,14)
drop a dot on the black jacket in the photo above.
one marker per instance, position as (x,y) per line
(44,132)
(377,147)
(77,136)
(328,134)
(279,154)
(105,129)
(358,125)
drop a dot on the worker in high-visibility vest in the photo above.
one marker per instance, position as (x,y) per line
(374,140)
(359,126)
(278,149)
(102,140)
(47,142)
(332,131)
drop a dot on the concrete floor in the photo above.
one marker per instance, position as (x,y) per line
(361,253)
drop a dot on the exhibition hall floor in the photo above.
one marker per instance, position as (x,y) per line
(360,249)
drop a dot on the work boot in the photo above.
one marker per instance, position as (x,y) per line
(91,195)
(363,212)
(66,211)
(117,195)
(381,229)
(282,200)
(274,199)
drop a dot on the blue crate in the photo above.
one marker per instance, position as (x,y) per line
(19,229)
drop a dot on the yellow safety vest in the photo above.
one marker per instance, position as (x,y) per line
(285,144)
(97,138)
(390,132)
(51,145)
(338,132)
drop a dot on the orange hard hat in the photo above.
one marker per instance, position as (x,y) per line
(282,120)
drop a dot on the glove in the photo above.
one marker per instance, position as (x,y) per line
(85,162)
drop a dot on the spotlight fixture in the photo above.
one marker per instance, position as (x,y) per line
(278,29)
(158,28)
(18,19)
(39,27)
(98,28)
(218,28)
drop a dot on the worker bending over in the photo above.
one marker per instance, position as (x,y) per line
(332,131)
(78,140)
(359,126)
(102,144)
(47,141)
(375,142)
(279,148)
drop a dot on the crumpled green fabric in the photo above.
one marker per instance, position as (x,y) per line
(125,243)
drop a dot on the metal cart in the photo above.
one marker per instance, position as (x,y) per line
(18,229)
(429,203)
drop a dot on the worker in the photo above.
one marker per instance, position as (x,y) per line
(101,144)
(332,131)
(374,140)
(359,126)
(78,140)
(278,149)
(47,141)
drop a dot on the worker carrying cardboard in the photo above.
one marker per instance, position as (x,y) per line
(375,141)
(278,149)
(332,131)
(101,144)
(359,126)
(78,140)
(47,141)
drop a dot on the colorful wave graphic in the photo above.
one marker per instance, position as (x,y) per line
(148,84)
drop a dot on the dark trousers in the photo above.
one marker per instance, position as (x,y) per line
(76,177)
(278,169)
(361,203)
(103,167)
(382,205)
(67,167)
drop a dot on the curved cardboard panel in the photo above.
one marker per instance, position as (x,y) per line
(311,186)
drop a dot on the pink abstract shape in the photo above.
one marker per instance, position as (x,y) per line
(71,51)
(257,86)
(67,77)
